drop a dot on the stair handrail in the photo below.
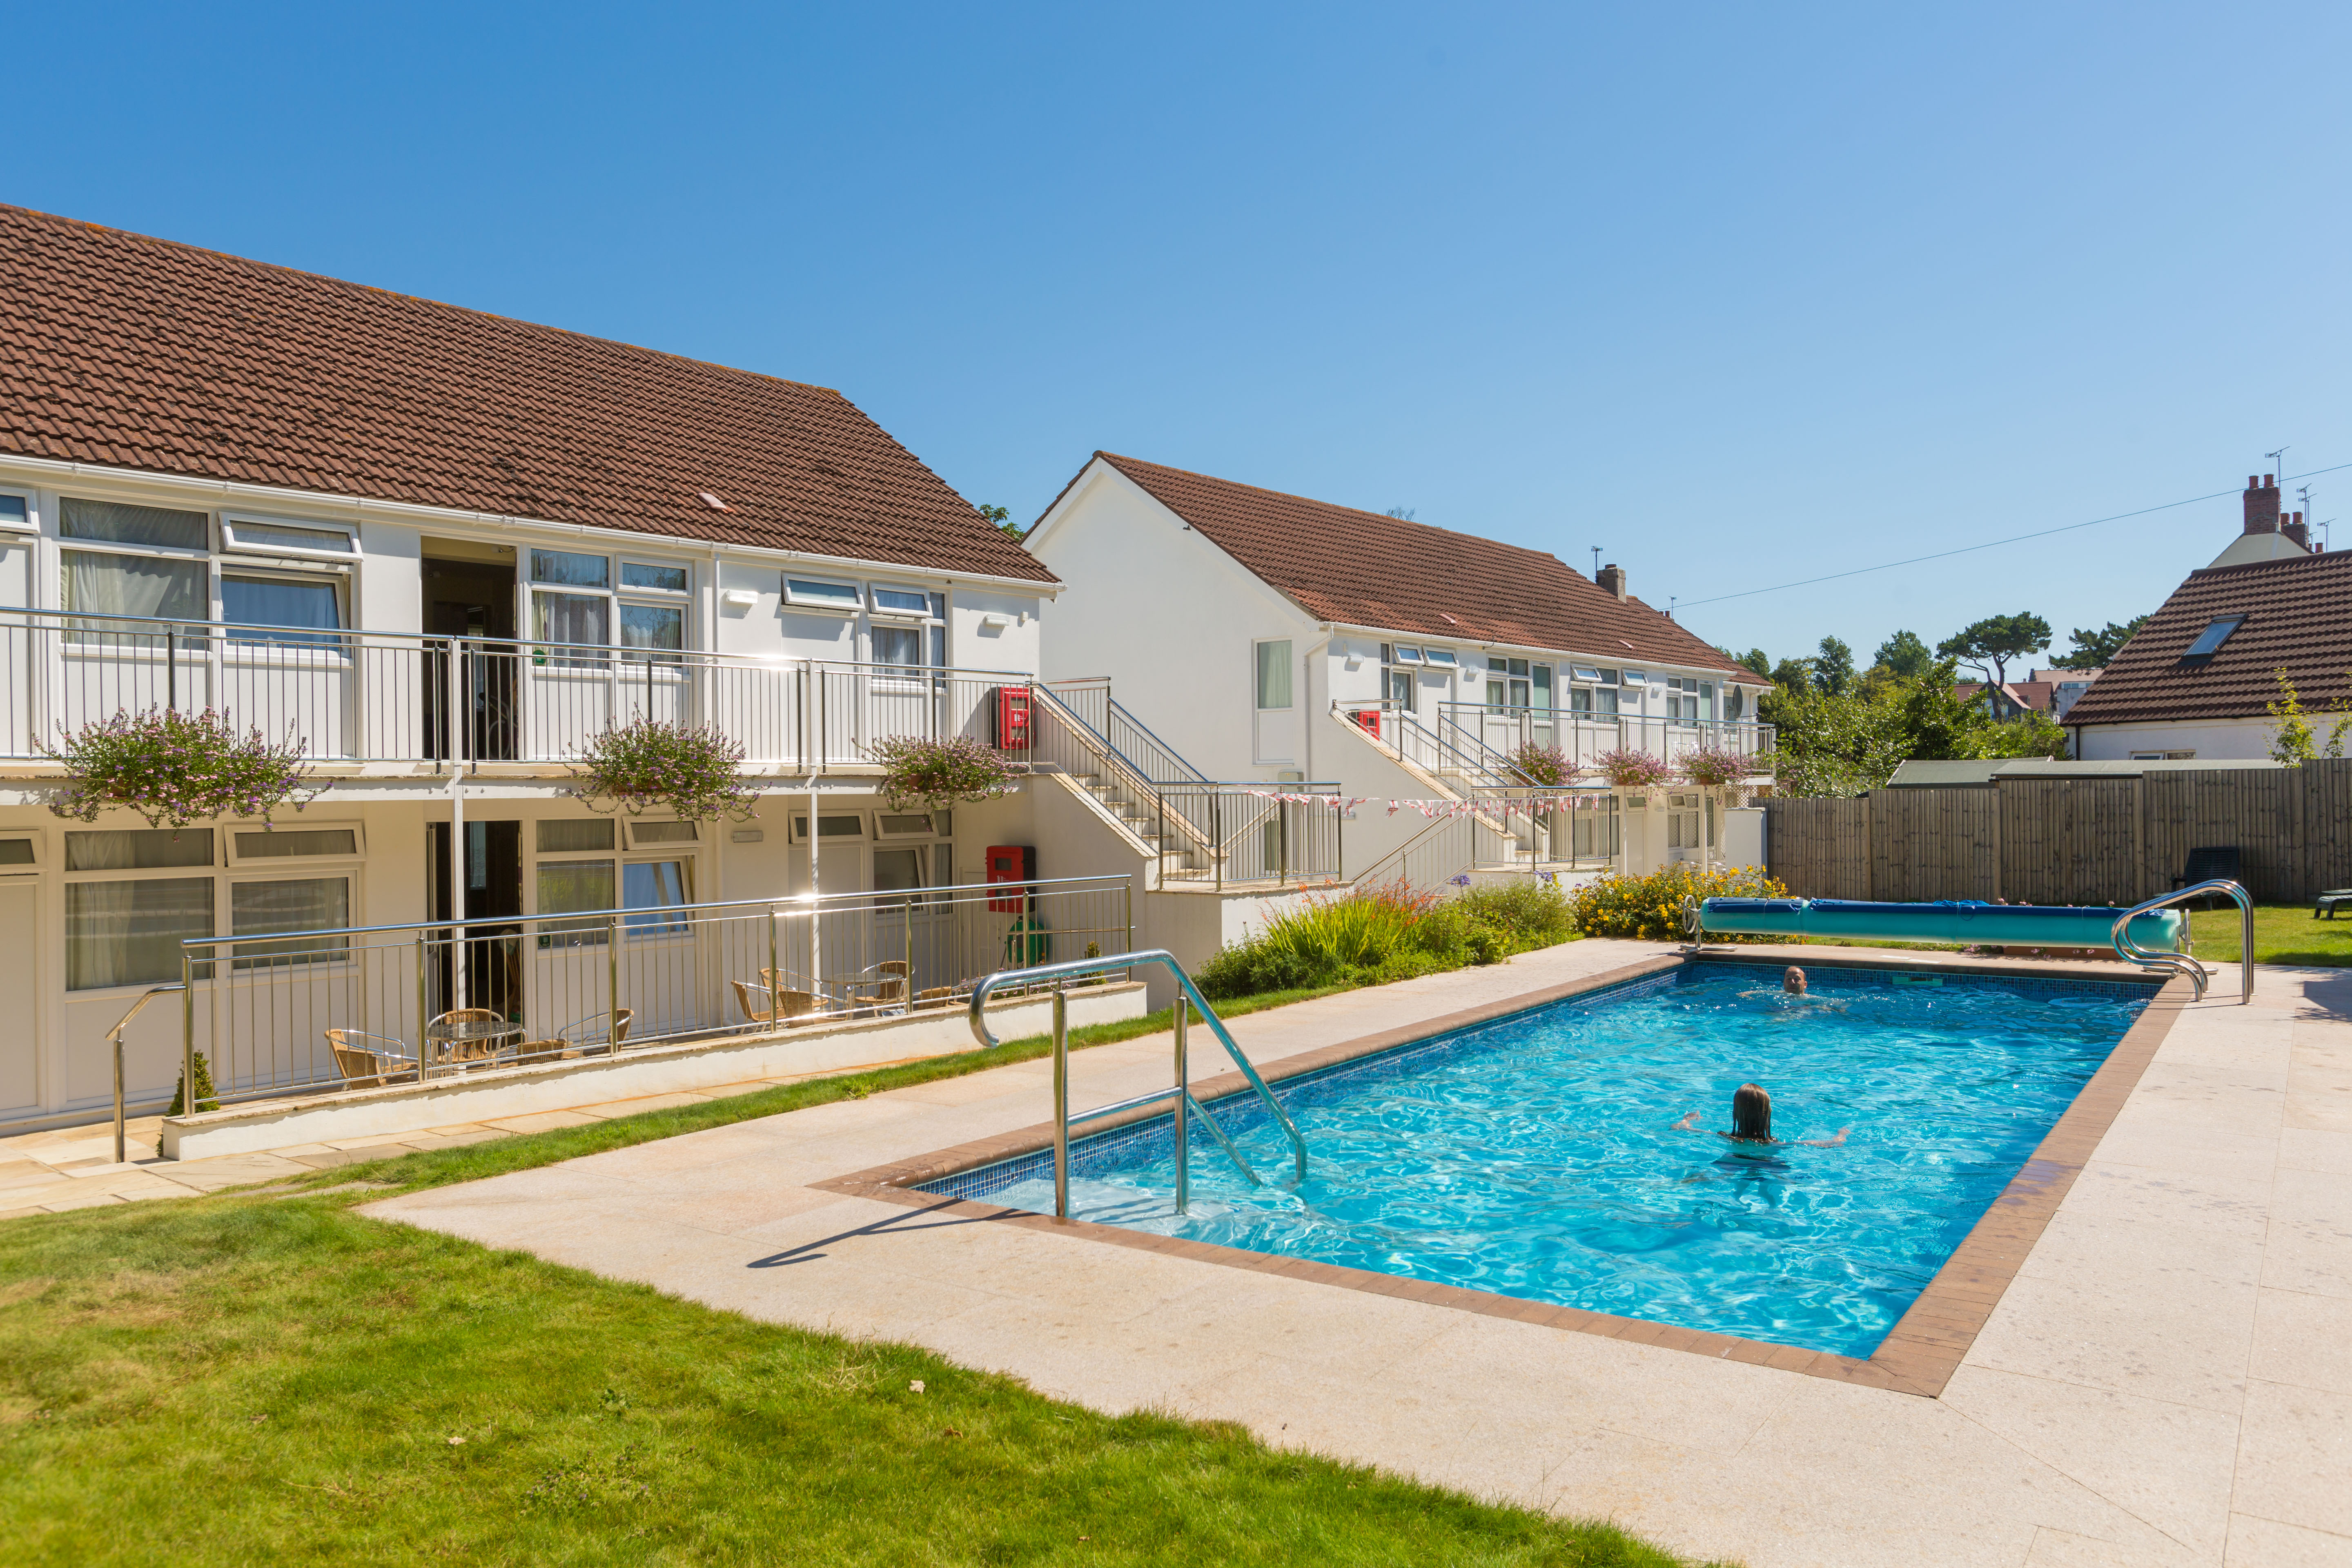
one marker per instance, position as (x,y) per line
(2128,949)
(114,1039)
(1180,1091)
(1125,767)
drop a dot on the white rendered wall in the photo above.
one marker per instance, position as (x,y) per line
(2224,740)
(1171,620)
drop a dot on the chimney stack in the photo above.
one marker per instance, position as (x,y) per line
(2261,505)
(1612,581)
(2295,531)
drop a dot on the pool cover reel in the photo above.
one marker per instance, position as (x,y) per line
(1969,921)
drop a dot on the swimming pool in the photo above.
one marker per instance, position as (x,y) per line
(1533,1156)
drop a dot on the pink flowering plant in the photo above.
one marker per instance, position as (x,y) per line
(177,769)
(1543,764)
(940,772)
(1714,767)
(1626,768)
(691,770)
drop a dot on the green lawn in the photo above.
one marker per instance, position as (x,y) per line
(275,1378)
(2283,933)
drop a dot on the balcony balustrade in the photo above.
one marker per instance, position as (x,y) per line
(377,697)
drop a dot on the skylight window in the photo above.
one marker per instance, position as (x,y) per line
(2210,639)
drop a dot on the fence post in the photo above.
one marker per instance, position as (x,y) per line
(1217,835)
(1061,1107)
(612,976)
(775,970)
(907,929)
(424,1001)
(188,1038)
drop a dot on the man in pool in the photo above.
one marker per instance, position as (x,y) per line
(1751,1119)
(1792,980)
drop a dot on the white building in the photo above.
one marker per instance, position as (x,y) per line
(1280,639)
(350,517)
(2197,682)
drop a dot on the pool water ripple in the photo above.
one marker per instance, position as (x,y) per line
(1533,1157)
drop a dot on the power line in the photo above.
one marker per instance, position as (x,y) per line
(1995,543)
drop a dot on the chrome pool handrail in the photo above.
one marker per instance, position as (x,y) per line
(2129,949)
(1180,1091)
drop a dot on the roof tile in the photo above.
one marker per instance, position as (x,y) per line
(1366,569)
(146,353)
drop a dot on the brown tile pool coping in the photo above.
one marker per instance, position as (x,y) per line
(1918,1354)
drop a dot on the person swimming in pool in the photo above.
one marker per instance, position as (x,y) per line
(1751,1121)
(1792,980)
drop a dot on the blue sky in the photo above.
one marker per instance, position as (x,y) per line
(1741,294)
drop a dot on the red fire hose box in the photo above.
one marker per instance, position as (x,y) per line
(1012,717)
(1012,866)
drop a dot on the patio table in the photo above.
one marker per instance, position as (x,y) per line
(442,1036)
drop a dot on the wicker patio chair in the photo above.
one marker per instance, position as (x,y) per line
(370,1061)
(582,1032)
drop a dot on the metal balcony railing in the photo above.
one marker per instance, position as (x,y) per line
(392,697)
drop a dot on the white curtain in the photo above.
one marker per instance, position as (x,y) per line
(129,934)
(159,586)
(311,904)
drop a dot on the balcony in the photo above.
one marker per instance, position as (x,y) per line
(1582,738)
(399,702)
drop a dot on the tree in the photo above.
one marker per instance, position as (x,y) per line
(1844,743)
(2094,650)
(1001,517)
(1793,675)
(1904,653)
(1401,513)
(1990,643)
(1754,659)
(2295,738)
(1833,667)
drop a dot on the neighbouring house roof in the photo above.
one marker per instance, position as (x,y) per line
(1366,569)
(2298,618)
(143,354)
(2039,694)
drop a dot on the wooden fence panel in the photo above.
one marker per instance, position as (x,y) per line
(1818,849)
(2069,841)
(1930,844)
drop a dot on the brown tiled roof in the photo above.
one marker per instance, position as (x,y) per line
(2298,618)
(142,353)
(1365,569)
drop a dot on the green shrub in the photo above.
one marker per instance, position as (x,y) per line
(1650,907)
(1377,935)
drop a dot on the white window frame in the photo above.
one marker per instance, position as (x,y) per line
(291,572)
(930,830)
(304,868)
(19,867)
(32,521)
(1440,657)
(797,827)
(228,852)
(849,608)
(230,522)
(693,839)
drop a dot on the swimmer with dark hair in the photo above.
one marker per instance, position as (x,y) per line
(1751,1118)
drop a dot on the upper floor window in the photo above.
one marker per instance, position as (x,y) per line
(115,522)
(150,563)
(815,593)
(1273,674)
(14,511)
(910,627)
(253,534)
(2208,641)
(573,602)
(1518,683)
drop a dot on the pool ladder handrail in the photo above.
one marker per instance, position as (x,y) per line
(2130,952)
(1180,1091)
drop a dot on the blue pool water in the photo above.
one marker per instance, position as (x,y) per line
(1532,1157)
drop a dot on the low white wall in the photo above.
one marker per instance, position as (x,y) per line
(2222,740)
(660,1069)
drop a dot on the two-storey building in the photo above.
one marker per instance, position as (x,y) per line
(440,550)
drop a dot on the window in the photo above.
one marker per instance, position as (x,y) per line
(149,526)
(128,932)
(914,823)
(643,832)
(1440,656)
(920,865)
(2208,641)
(812,593)
(1404,655)
(566,886)
(901,602)
(156,587)
(139,849)
(291,843)
(565,569)
(917,634)
(559,835)
(849,825)
(242,533)
(311,904)
(899,647)
(16,852)
(638,575)
(656,632)
(1590,677)
(574,618)
(14,513)
(1273,674)
(1518,683)
(1398,685)
(654,886)
(263,607)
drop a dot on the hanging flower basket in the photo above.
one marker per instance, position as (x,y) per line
(1712,767)
(937,774)
(689,769)
(1543,764)
(177,769)
(1633,770)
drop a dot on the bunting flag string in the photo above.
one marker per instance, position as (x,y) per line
(1434,810)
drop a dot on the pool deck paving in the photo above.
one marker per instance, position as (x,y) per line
(2166,1377)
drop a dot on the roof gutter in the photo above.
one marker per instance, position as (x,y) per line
(411,511)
